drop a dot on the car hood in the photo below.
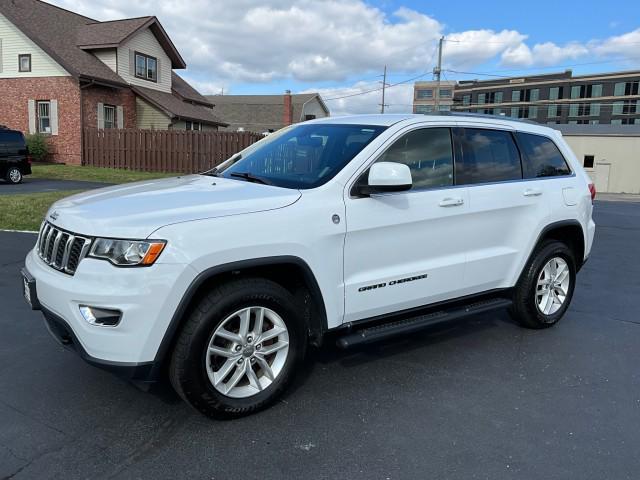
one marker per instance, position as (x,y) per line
(136,210)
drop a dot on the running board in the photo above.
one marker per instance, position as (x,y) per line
(413,324)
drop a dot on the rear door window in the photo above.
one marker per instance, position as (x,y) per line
(487,156)
(541,157)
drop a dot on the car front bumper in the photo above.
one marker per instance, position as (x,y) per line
(147,298)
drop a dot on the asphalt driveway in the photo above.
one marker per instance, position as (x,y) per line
(483,399)
(40,185)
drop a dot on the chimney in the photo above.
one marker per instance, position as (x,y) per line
(287,116)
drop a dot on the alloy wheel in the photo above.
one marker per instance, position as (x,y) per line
(15,176)
(247,352)
(553,286)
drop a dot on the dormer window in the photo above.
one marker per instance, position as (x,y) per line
(146,67)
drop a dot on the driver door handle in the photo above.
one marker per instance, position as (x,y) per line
(451,202)
(532,192)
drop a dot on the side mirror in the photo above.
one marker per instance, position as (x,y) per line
(387,177)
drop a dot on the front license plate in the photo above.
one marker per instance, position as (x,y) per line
(29,290)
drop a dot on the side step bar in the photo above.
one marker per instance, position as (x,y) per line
(413,324)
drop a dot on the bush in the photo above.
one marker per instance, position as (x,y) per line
(38,146)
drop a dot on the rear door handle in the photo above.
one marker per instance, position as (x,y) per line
(532,192)
(451,202)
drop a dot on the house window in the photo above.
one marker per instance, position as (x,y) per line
(309,117)
(596,90)
(515,96)
(498,97)
(24,63)
(43,109)
(481,97)
(588,161)
(445,93)
(109,116)
(552,111)
(424,109)
(146,67)
(193,126)
(466,99)
(445,108)
(424,93)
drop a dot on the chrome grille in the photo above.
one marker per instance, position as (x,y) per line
(60,249)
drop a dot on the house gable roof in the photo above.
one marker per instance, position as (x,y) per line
(260,112)
(67,36)
(174,107)
(115,32)
(49,28)
(187,92)
(296,99)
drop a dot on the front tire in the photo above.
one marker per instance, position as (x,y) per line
(545,288)
(14,175)
(239,348)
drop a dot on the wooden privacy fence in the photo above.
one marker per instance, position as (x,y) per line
(161,150)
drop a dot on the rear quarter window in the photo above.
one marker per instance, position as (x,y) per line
(541,157)
(13,139)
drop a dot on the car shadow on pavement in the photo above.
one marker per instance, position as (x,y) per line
(329,353)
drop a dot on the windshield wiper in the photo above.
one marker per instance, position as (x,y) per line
(214,172)
(249,177)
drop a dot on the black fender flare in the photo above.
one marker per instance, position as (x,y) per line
(317,326)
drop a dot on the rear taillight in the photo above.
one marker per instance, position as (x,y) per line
(592,190)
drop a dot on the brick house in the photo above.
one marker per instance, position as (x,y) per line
(60,72)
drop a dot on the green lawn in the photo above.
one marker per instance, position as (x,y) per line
(92,174)
(26,211)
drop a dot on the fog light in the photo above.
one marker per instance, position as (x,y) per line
(101,317)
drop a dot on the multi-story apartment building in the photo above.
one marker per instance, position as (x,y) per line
(556,98)
(426,95)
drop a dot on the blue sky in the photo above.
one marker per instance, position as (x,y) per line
(339,47)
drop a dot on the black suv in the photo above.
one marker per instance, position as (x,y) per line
(14,155)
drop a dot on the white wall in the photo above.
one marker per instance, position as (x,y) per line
(313,108)
(623,153)
(108,56)
(13,43)
(145,42)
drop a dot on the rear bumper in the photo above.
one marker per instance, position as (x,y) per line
(61,331)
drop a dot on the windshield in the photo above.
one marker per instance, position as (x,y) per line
(302,156)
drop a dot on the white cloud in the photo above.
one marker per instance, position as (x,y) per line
(626,45)
(543,54)
(399,98)
(312,41)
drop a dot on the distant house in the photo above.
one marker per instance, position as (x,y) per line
(267,113)
(60,71)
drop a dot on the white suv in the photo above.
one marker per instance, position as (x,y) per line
(364,227)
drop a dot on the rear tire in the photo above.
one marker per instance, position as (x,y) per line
(13,176)
(226,340)
(545,288)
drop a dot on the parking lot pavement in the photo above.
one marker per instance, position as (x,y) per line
(40,185)
(483,399)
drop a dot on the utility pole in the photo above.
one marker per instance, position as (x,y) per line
(436,73)
(384,86)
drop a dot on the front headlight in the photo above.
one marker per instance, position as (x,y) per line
(127,253)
